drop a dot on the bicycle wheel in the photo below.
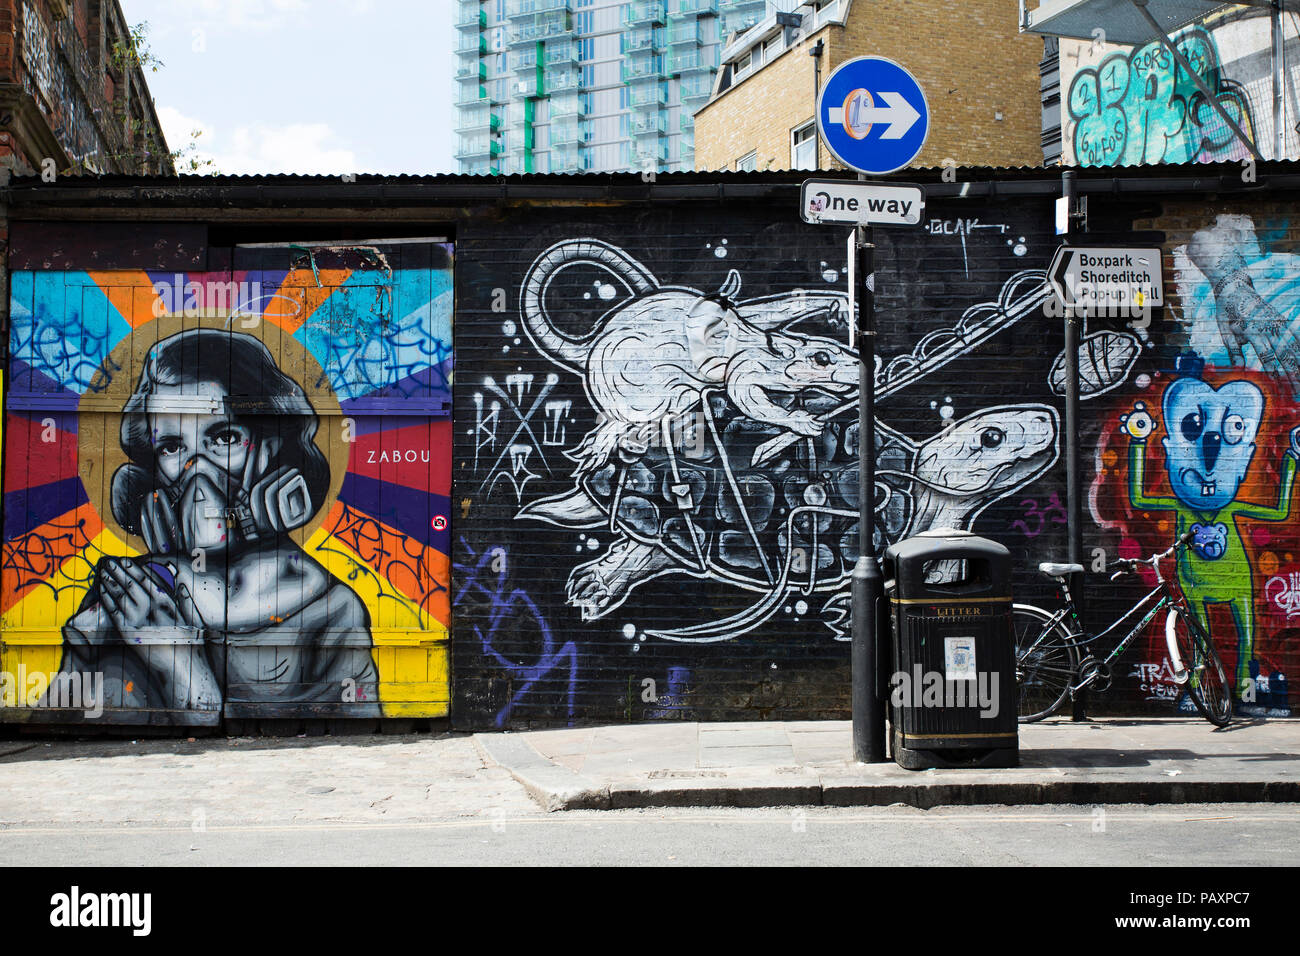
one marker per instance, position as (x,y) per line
(1046,658)
(1207,684)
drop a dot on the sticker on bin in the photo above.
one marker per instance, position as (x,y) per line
(959,658)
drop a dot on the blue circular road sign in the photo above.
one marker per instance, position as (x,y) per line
(873,115)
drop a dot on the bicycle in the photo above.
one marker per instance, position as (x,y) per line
(1054,660)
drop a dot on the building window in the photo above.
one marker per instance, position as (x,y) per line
(747,163)
(803,147)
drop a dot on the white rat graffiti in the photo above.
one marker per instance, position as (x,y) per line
(671,362)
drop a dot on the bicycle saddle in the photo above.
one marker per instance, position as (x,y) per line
(1053,570)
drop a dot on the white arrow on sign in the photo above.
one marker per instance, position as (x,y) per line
(899,114)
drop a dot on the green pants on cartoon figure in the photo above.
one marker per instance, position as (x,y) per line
(1209,446)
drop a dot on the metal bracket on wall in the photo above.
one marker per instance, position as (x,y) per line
(1158,33)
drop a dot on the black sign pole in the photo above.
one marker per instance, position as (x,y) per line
(868,583)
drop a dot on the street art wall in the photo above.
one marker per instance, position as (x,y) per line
(226,492)
(655,497)
(1130,105)
(253,491)
(656,479)
(1205,437)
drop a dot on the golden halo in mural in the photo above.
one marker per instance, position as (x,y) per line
(99,447)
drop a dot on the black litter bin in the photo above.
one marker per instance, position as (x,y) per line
(952,689)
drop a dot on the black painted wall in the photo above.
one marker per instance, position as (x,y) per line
(964,344)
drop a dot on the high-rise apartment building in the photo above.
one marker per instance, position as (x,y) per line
(588,85)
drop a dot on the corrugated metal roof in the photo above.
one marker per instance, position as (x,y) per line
(1119,20)
(454,190)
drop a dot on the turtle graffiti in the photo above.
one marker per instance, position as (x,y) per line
(726,440)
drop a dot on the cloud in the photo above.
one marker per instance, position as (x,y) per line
(308,148)
(259,15)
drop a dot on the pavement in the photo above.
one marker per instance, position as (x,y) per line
(809,763)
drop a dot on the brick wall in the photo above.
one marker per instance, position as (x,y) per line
(969,59)
(761,112)
(688,606)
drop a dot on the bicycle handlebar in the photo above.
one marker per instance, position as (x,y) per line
(1130,564)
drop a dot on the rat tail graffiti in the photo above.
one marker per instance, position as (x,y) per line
(571,352)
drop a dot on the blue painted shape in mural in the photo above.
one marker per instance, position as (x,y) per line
(369,336)
(1210,439)
(500,614)
(1210,541)
(430,387)
(32,507)
(409,510)
(63,327)
(25,380)
(1142,107)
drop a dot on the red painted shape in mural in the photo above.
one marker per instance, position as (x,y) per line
(32,559)
(1269,546)
(43,461)
(420,573)
(415,456)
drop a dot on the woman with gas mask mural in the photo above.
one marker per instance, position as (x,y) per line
(225,607)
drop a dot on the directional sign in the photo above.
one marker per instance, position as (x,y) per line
(829,200)
(1104,277)
(873,115)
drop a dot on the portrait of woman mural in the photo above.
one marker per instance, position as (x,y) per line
(225,607)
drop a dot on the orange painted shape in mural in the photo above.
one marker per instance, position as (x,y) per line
(38,555)
(130,291)
(300,295)
(418,572)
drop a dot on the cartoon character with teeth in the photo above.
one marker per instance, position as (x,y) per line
(1209,444)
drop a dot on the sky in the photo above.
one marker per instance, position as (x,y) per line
(305,86)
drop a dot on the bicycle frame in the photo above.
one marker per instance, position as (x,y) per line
(1158,599)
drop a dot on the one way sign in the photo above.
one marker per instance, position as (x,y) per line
(1097,278)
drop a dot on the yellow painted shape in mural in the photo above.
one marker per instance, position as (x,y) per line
(410,649)
(412,657)
(39,646)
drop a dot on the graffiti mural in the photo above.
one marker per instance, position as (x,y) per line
(1208,447)
(227,494)
(484,594)
(1239,301)
(725,448)
(1204,436)
(1139,106)
(662,436)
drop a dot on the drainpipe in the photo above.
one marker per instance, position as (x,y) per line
(1279,79)
(816,53)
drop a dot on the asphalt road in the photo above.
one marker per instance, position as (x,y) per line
(438,800)
(1187,835)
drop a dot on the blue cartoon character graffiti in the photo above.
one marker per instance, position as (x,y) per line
(1209,445)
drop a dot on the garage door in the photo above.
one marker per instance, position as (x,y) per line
(226,492)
